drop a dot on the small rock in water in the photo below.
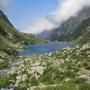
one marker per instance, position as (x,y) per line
(40,57)
(50,54)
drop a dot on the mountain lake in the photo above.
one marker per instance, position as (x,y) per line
(39,49)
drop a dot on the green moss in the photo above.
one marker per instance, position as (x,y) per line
(5,81)
(65,86)
(84,86)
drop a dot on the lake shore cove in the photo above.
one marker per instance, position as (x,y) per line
(67,69)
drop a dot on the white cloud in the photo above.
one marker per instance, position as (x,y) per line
(40,25)
(4,3)
(68,8)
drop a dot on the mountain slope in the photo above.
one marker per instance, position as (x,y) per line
(10,38)
(71,30)
(4,18)
(81,34)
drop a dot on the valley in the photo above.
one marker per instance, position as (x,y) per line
(52,63)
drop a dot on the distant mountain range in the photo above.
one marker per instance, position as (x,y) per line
(75,29)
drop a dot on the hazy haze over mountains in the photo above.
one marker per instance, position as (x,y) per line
(65,10)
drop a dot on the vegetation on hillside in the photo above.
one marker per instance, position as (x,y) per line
(76,29)
(67,69)
(11,40)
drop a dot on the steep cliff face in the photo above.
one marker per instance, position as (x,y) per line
(4,18)
(71,29)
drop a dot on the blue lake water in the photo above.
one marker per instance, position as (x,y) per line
(43,48)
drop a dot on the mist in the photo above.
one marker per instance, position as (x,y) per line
(4,3)
(64,11)
(69,8)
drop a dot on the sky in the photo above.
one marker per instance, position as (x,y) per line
(35,16)
(24,12)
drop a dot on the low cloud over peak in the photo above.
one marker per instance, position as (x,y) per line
(65,10)
(70,8)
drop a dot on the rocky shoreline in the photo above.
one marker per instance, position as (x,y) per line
(70,67)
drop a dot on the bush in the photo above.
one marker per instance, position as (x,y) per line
(79,80)
(84,86)
(87,67)
(34,81)
(85,64)
(69,73)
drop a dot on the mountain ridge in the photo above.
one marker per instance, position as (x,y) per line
(68,27)
(10,38)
